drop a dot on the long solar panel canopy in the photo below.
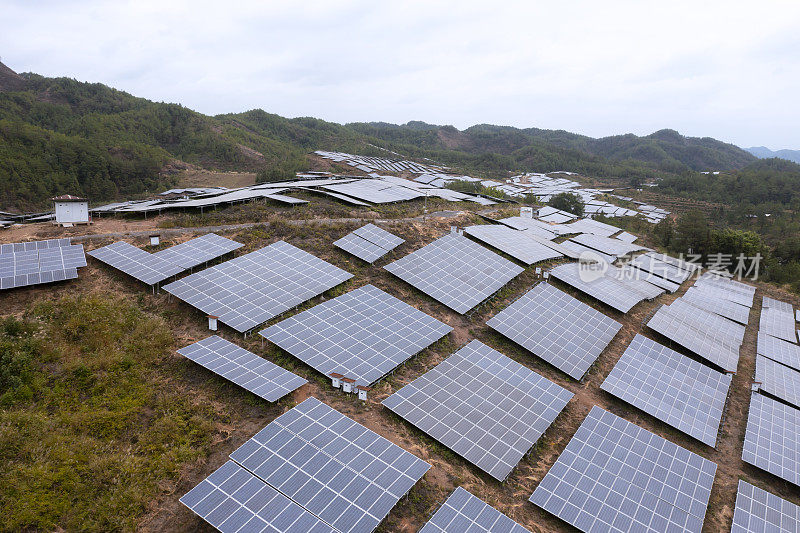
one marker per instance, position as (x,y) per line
(235,501)
(778,324)
(363,334)
(631,272)
(136,262)
(778,350)
(586,253)
(253,288)
(560,329)
(587,225)
(679,262)
(369,243)
(683,393)
(706,342)
(513,242)
(464,512)
(653,265)
(347,475)
(261,377)
(759,511)
(607,245)
(529,225)
(615,476)
(482,405)
(456,271)
(772,438)
(778,380)
(616,293)
(734,291)
(374,191)
(711,299)
(198,251)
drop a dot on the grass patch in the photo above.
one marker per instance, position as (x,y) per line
(89,427)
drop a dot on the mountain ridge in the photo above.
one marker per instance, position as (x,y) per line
(762,152)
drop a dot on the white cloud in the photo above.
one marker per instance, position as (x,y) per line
(722,69)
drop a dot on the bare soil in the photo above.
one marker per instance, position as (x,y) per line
(238,414)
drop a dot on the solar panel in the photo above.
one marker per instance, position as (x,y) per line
(665,270)
(635,275)
(261,377)
(16,247)
(233,500)
(363,334)
(38,262)
(334,467)
(62,258)
(607,245)
(728,331)
(713,300)
(733,290)
(587,225)
(678,262)
(683,393)
(253,288)
(381,237)
(482,405)
(772,303)
(772,438)
(198,251)
(614,292)
(530,225)
(513,242)
(707,343)
(778,350)
(759,511)
(626,237)
(136,262)
(456,271)
(369,243)
(614,475)
(560,329)
(464,513)
(778,380)
(778,324)
(586,251)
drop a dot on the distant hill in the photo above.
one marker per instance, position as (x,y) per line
(762,152)
(58,135)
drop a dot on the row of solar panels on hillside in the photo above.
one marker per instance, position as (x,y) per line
(157,267)
(37,262)
(369,243)
(778,319)
(311,469)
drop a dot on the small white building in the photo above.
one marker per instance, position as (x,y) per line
(71,209)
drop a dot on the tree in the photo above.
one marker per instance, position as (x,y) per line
(692,234)
(567,201)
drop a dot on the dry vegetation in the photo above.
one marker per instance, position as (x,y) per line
(170,423)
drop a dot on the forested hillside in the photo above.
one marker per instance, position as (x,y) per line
(58,135)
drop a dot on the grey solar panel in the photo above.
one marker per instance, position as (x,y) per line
(759,511)
(334,467)
(136,262)
(772,438)
(536,227)
(616,476)
(778,324)
(679,262)
(727,331)
(513,242)
(253,288)
(778,350)
(463,512)
(261,377)
(456,271)
(630,272)
(652,264)
(482,405)
(683,393)
(705,343)
(235,501)
(360,247)
(713,300)
(560,329)
(778,380)
(607,245)
(772,303)
(16,247)
(62,257)
(362,334)
(586,252)
(198,251)
(734,291)
(615,292)
(379,236)
(37,262)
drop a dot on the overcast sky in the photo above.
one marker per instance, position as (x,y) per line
(729,70)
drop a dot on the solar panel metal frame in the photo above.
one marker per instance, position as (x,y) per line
(337,469)
(248,290)
(778,380)
(233,500)
(242,367)
(362,334)
(677,390)
(136,262)
(772,438)
(463,512)
(513,242)
(759,511)
(560,329)
(482,405)
(198,251)
(456,271)
(616,475)
(705,343)
(778,350)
